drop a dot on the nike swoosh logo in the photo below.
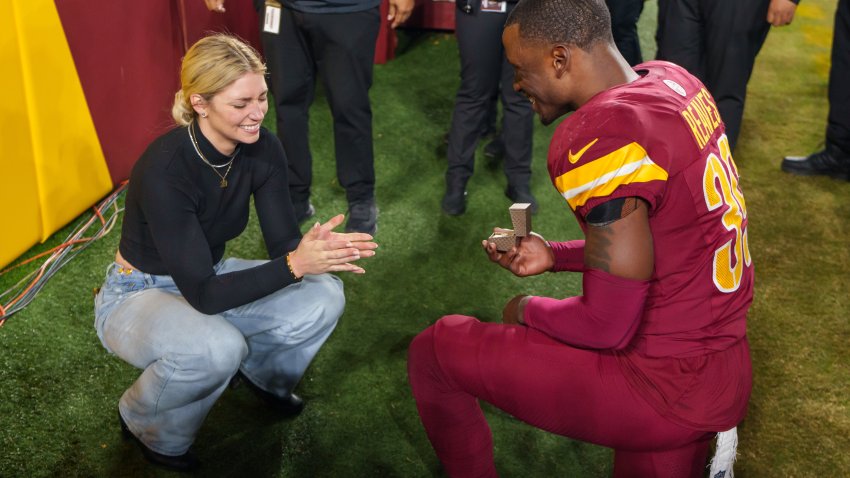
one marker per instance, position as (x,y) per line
(575,157)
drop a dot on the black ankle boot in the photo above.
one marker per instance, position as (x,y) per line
(362,217)
(522,194)
(289,405)
(182,463)
(454,201)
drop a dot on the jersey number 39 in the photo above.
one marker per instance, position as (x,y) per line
(720,187)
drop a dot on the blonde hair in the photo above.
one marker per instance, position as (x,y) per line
(211,65)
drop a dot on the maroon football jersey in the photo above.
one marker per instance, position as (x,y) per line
(660,138)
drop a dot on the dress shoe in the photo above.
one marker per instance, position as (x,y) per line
(182,463)
(303,211)
(522,194)
(290,405)
(454,201)
(362,217)
(826,162)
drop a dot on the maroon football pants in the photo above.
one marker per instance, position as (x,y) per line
(581,394)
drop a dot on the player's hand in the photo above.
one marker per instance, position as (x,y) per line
(781,12)
(514,310)
(323,250)
(215,5)
(400,10)
(531,257)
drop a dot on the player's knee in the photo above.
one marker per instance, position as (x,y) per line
(454,325)
(422,353)
(455,320)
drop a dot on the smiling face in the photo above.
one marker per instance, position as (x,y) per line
(539,74)
(234,114)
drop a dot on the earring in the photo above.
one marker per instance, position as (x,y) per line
(204,114)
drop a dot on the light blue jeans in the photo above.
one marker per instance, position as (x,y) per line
(188,358)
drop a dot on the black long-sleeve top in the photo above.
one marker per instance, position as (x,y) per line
(177,217)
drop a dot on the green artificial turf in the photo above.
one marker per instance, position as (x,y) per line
(59,388)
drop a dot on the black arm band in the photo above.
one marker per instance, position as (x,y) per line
(606,213)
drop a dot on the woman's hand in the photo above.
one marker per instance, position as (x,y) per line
(323,250)
(531,257)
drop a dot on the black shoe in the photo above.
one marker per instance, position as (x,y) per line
(182,463)
(303,211)
(522,195)
(454,201)
(362,217)
(290,405)
(495,150)
(822,163)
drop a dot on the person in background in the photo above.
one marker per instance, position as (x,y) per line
(834,159)
(484,70)
(172,306)
(624,18)
(652,359)
(717,41)
(334,40)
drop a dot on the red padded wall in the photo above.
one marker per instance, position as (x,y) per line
(127,54)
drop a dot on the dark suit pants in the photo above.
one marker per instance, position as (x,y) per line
(483,69)
(340,48)
(717,41)
(838,123)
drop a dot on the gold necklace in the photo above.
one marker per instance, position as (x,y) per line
(223,183)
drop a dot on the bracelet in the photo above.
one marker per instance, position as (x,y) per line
(292,272)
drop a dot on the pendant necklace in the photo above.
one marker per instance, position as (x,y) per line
(223,183)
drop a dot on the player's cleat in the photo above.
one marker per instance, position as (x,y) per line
(182,463)
(826,162)
(724,455)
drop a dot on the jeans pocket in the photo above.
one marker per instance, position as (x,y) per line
(117,288)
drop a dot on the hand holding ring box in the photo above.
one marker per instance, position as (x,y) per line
(521,219)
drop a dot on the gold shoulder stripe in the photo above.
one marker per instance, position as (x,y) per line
(600,177)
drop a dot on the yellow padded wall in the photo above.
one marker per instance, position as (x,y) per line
(20,209)
(63,149)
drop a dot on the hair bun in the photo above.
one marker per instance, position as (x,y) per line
(182,111)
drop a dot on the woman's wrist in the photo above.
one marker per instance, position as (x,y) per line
(294,270)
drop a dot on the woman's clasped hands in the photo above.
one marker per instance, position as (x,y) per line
(323,250)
